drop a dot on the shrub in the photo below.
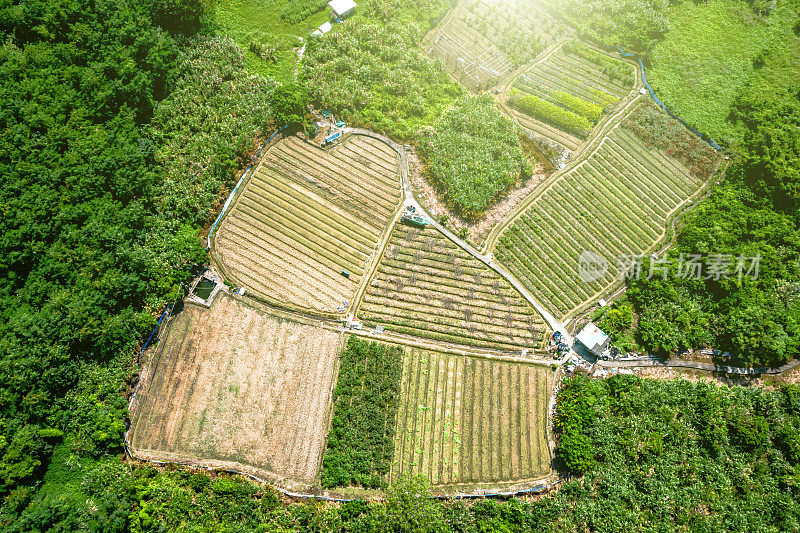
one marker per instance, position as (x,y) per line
(552,114)
(472,155)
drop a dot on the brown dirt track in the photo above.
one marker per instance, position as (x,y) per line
(234,387)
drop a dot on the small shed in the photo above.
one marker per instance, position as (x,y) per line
(323,29)
(342,8)
(594,339)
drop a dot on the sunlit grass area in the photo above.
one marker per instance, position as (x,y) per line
(707,56)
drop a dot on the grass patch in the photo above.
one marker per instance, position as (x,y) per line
(257,26)
(707,56)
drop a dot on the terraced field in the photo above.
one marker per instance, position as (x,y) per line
(307,214)
(616,203)
(428,287)
(484,41)
(466,420)
(234,387)
(562,97)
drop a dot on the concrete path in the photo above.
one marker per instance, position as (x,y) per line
(719,369)
(487,260)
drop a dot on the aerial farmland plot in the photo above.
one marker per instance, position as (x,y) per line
(305,216)
(428,287)
(483,41)
(471,420)
(233,387)
(616,204)
(563,96)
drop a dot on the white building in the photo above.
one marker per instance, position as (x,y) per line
(342,8)
(594,339)
(323,29)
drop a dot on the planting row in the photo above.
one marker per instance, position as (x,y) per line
(571,90)
(470,420)
(586,229)
(307,222)
(428,287)
(481,44)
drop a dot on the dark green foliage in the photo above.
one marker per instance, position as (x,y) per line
(289,104)
(295,11)
(370,71)
(664,449)
(180,16)
(473,155)
(365,402)
(753,213)
(100,109)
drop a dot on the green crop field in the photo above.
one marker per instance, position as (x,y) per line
(428,287)
(482,42)
(616,203)
(466,420)
(306,214)
(563,97)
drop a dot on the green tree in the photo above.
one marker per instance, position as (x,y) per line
(289,104)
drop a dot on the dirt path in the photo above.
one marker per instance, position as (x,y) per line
(719,369)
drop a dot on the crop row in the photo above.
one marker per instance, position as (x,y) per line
(302,219)
(425,283)
(470,420)
(552,114)
(611,67)
(615,204)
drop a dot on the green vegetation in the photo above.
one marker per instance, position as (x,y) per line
(616,204)
(708,55)
(370,71)
(678,454)
(633,24)
(214,115)
(472,155)
(753,214)
(365,400)
(613,68)
(297,10)
(270,41)
(118,138)
(550,113)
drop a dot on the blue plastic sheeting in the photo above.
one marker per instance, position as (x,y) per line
(154,330)
(626,54)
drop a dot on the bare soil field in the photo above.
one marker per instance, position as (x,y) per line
(233,386)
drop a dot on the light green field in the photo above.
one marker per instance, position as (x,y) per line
(465,420)
(707,55)
(244,20)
